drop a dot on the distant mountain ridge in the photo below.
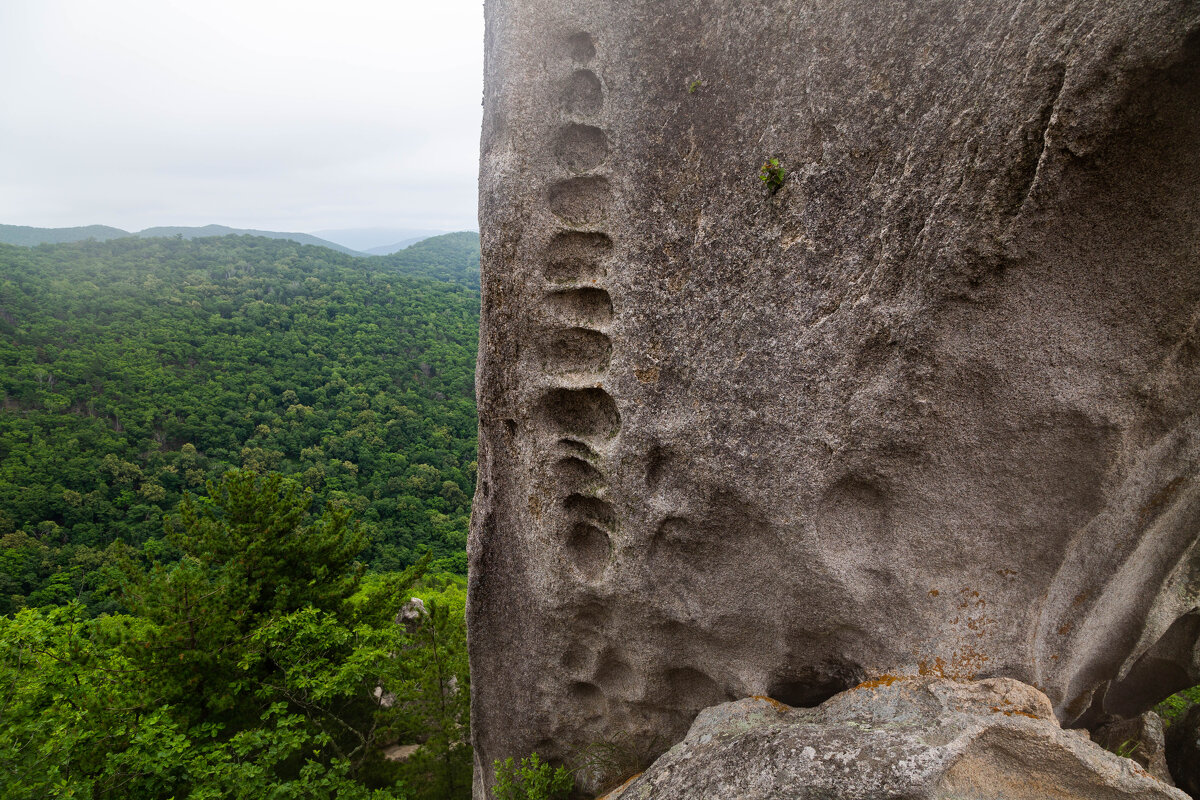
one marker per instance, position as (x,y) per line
(28,236)
(377,241)
(222,230)
(450,257)
(388,249)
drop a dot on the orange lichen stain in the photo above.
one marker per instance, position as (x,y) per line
(971,597)
(1065,629)
(882,680)
(1080,599)
(649,375)
(535,506)
(937,669)
(968,662)
(934,592)
(778,706)
(1054,657)
(964,665)
(1013,712)
(620,788)
(1006,573)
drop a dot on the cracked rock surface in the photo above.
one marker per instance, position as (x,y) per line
(931,407)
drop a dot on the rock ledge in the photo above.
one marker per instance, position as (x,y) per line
(912,738)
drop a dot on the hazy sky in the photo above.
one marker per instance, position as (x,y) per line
(297,115)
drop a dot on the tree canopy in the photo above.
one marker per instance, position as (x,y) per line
(133,370)
(257,664)
(452,257)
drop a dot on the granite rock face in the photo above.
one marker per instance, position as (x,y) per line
(929,408)
(926,739)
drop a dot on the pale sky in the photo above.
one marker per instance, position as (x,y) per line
(291,115)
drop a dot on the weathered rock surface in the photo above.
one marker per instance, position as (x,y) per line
(411,614)
(1183,751)
(1142,738)
(924,739)
(929,408)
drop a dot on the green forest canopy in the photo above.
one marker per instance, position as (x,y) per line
(133,370)
(453,257)
(255,661)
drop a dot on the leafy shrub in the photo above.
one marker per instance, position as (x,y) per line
(532,780)
(1175,706)
(772,174)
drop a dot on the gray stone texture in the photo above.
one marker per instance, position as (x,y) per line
(931,408)
(921,739)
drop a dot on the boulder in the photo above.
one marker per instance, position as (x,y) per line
(1141,738)
(922,739)
(411,614)
(928,406)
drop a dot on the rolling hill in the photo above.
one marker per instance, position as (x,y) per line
(189,232)
(451,257)
(27,236)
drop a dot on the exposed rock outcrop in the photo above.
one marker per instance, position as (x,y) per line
(929,408)
(925,739)
(411,614)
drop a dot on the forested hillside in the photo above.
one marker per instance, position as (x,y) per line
(133,370)
(205,231)
(452,257)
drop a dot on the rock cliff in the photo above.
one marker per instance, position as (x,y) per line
(930,408)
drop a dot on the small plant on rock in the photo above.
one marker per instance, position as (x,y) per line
(532,780)
(772,174)
(1127,749)
(608,764)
